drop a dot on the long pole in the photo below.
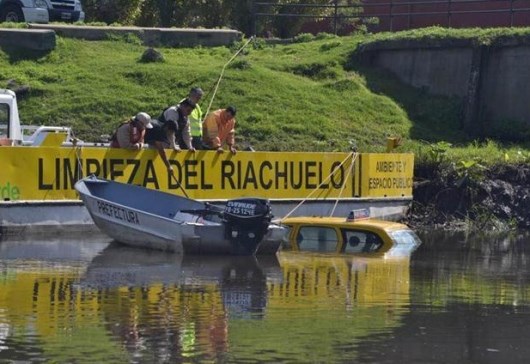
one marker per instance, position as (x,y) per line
(178,184)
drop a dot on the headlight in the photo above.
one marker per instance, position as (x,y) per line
(41,4)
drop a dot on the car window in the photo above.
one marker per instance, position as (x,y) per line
(317,239)
(359,241)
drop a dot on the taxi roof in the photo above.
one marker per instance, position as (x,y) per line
(342,222)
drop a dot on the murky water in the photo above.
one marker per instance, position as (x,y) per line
(455,300)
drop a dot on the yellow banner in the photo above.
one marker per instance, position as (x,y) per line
(49,173)
(386,175)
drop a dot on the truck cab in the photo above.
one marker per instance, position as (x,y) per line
(12,133)
(10,130)
(41,11)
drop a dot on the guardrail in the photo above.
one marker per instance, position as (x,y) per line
(391,13)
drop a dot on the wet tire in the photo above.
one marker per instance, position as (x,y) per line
(12,13)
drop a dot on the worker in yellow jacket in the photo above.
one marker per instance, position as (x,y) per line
(195,118)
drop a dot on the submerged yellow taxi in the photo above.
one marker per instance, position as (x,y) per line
(356,234)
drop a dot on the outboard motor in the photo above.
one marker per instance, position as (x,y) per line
(246,222)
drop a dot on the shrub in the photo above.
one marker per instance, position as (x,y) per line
(304,37)
(112,11)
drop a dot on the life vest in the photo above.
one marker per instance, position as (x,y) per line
(181,123)
(195,119)
(135,138)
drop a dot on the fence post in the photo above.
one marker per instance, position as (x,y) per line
(335,2)
(449,12)
(253,16)
(409,17)
(391,18)
(511,13)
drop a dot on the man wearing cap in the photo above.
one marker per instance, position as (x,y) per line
(171,127)
(131,134)
(195,117)
(178,129)
(219,129)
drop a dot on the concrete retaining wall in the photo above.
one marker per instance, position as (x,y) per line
(435,70)
(153,37)
(506,84)
(491,80)
(33,39)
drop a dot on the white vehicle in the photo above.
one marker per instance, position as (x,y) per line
(41,11)
(13,133)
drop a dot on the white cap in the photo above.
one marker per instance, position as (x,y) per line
(145,119)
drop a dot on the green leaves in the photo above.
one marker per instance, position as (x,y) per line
(438,152)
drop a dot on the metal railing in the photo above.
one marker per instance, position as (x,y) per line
(390,10)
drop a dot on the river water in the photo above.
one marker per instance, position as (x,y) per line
(456,299)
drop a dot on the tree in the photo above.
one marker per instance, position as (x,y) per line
(112,11)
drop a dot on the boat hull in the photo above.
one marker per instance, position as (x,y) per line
(159,227)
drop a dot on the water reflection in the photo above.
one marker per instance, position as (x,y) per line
(130,304)
(324,306)
(457,299)
(469,303)
(485,269)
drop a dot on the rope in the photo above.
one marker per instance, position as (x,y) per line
(79,162)
(354,157)
(78,148)
(316,189)
(223,71)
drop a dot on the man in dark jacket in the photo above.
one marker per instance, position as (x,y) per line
(171,127)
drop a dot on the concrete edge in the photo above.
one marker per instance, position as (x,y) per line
(31,39)
(171,37)
(405,44)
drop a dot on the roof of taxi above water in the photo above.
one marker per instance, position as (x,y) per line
(344,223)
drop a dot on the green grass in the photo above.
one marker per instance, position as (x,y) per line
(305,96)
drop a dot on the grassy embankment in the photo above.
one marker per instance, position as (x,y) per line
(306,96)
